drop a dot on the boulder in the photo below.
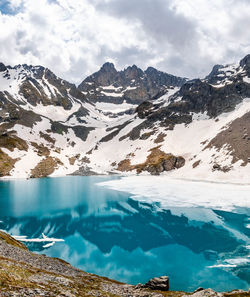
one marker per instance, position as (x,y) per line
(155,169)
(180,162)
(199,289)
(216,166)
(169,163)
(158,283)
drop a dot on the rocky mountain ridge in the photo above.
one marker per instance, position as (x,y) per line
(132,84)
(129,121)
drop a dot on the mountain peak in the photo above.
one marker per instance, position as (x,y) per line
(133,72)
(132,67)
(214,71)
(132,84)
(245,61)
(151,69)
(108,66)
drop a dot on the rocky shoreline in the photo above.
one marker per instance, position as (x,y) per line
(24,273)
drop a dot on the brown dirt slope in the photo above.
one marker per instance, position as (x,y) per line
(45,167)
(6,164)
(237,136)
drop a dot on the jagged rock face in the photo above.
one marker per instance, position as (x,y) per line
(24,85)
(245,63)
(200,96)
(45,122)
(219,92)
(215,73)
(132,84)
(38,85)
(106,76)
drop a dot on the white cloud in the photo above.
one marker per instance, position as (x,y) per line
(73,38)
(219,24)
(63,35)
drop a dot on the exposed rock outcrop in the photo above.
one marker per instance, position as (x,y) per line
(84,171)
(157,162)
(158,283)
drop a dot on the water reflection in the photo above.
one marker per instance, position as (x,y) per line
(110,234)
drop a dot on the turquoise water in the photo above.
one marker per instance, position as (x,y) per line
(108,233)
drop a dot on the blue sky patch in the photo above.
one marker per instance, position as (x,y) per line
(6,9)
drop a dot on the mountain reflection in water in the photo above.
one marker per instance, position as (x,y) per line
(108,233)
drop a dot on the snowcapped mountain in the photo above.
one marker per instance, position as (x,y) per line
(131,121)
(131,85)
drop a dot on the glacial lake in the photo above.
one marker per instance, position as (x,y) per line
(112,234)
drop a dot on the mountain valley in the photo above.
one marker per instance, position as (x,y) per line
(130,122)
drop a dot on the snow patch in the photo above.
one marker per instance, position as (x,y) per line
(246,79)
(114,108)
(172,192)
(112,94)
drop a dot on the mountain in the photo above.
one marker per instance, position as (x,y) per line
(130,121)
(132,85)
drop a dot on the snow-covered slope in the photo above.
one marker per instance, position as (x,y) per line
(129,121)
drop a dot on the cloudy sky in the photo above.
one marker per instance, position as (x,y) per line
(75,37)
